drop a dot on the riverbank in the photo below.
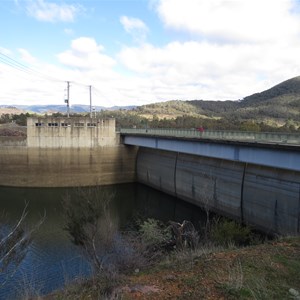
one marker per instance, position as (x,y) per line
(266,271)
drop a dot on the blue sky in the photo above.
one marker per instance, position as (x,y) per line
(144,51)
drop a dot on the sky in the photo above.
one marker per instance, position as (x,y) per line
(136,52)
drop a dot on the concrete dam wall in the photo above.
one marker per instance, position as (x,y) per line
(268,198)
(66,167)
(66,152)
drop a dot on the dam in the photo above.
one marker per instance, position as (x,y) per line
(66,152)
(255,183)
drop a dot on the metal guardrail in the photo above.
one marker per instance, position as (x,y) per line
(243,136)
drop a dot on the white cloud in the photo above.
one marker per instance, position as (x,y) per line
(5,51)
(68,31)
(26,56)
(86,54)
(23,85)
(135,27)
(53,12)
(233,21)
(232,49)
(202,70)
(236,48)
(83,64)
(131,24)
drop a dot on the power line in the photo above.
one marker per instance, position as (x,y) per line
(100,93)
(10,62)
(21,67)
(14,66)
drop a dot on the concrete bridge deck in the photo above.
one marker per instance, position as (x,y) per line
(277,150)
(242,136)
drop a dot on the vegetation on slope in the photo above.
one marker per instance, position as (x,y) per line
(265,271)
(283,91)
(280,103)
(276,109)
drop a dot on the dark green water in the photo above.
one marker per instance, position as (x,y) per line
(52,260)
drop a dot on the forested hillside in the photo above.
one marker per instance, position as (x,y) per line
(276,109)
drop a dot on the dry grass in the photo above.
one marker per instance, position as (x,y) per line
(266,271)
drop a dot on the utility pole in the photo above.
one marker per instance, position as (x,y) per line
(91,115)
(68,99)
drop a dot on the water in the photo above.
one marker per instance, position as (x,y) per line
(52,259)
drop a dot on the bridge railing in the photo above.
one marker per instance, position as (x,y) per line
(260,137)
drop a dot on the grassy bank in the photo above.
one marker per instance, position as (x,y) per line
(266,271)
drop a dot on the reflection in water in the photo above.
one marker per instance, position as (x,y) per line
(52,259)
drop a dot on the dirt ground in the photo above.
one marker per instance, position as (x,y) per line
(268,271)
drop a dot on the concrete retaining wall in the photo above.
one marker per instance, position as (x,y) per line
(268,198)
(45,167)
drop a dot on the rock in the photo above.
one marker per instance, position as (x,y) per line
(294,293)
(143,289)
(170,277)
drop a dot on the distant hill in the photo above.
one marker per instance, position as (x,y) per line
(8,109)
(197,108)
(278,103)
(286,91)
(277,106)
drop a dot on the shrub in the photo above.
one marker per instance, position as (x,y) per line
(153,232)
(228,232)
(95,231)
